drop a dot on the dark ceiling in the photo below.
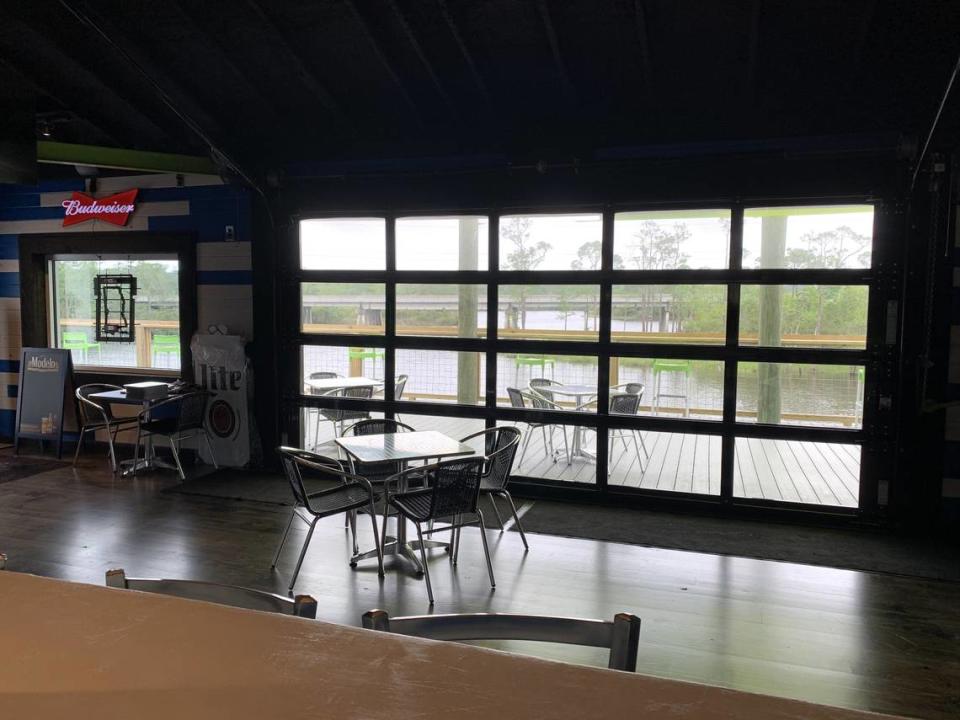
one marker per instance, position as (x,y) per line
(272,82)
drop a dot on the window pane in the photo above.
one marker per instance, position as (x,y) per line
(672,240)
(687,314)
(671,387)
(442,376)
(673,462)
(550,242)
(450,426)
(451,310)
(564,453)
(549,312)
(317,429)
(156,342)
(342,308)
(565,382)
(828,236)
(442,243)
(343,244)
(816,316)
(796,394)
(795,471)
(325,363)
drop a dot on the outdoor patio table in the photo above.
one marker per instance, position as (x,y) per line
(150,461)
(403,448)
(72,650)
(325,385)
(578,393)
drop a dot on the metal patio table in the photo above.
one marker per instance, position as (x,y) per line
(325,385)
(150,461)
(402,447)
(578,393)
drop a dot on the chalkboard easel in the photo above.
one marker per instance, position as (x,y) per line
(45,400)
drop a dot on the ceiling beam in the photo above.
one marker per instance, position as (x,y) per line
(385,61)
(558,62)
(299,67)
(643,40)
(465,51)
(60,76)
(58,153)
(421,54)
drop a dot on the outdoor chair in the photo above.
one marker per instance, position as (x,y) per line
(622,404)
(94,416)
(398,387)
(241,597)
(450,489)
(340,416)
(167,345)
(500,447)
(526,400)
(177,418)
(348,493)
(315,412)
(541,386)
(621,636)
(79,341)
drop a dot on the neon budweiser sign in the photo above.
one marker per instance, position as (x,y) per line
(114,209)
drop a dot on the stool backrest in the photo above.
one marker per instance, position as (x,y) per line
(621,636)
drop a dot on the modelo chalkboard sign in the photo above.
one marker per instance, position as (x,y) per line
(45,401)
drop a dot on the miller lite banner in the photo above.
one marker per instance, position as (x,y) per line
(114,209)
(221,366)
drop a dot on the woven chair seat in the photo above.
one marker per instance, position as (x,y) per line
(415,505)
(340,499)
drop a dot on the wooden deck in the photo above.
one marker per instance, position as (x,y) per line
(785,470)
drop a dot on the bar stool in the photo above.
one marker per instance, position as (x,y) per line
(677,367)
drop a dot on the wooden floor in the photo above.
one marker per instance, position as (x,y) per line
(854,639)
(787,470)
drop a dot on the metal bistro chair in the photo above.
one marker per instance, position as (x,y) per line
(320,375)
(541,386)
(500,447)
(621,636)
(452,490)
(94,416)
(520,399)
(339,416)
(241,597)
(377,472)
(398,387)
(185,422)
(623,404)
(351,492)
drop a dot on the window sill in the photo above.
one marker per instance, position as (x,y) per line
(113,370)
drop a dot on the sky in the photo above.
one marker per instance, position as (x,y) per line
(433,243)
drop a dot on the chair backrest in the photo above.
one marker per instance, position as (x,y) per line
(621,636)
(398,386)
(454,485)
(301,605)
(320,375)
(337,414)
(293,458)
(516,398)
(92,411)
(500,446)
(634,388)
(540,386)
(376,426)
(192,410)
(624,404)
(74,338)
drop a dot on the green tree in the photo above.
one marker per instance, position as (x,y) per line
(524,255)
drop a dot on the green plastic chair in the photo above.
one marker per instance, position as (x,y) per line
(681,367)
(531,361)
(79,341)
(165,345)
(365,354)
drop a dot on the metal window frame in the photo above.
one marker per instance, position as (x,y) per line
(729,353)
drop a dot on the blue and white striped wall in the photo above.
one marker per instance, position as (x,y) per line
(202,205)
